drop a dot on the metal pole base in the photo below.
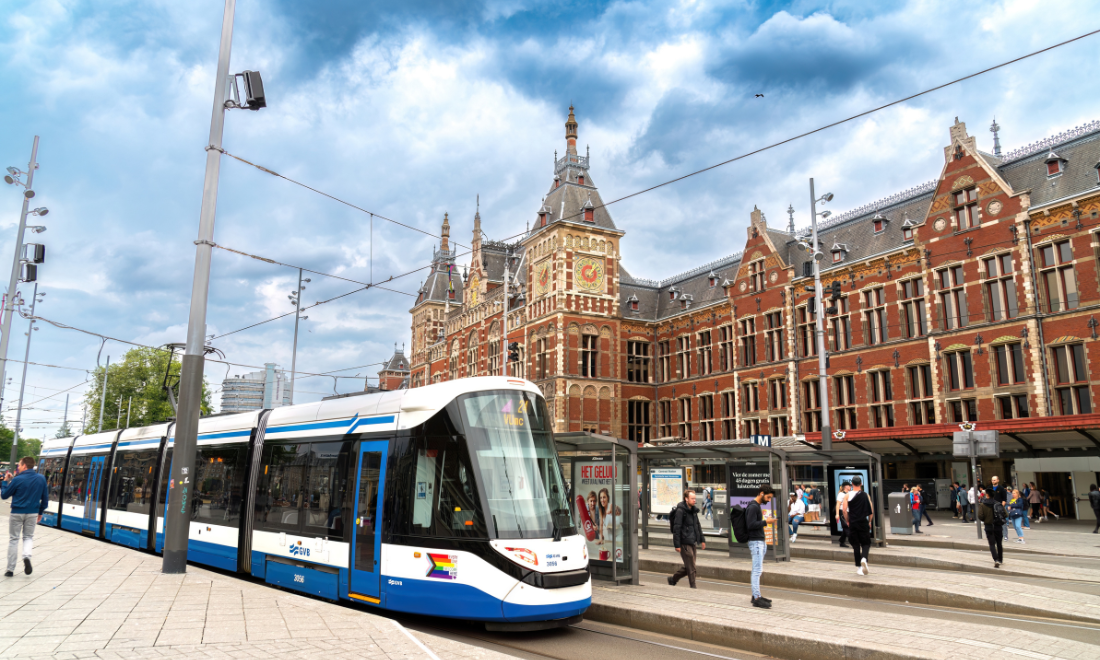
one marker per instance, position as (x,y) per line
(177,515)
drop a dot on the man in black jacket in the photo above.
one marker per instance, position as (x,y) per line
(858,512)
(686,534)
(754,521)
(1094,502)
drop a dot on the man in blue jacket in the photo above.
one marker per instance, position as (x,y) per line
(30,496)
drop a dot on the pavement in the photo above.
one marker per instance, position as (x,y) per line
(90,599)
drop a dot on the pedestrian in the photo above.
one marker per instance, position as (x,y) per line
(992,514)
(1017,513)
(972,502)
(795,515)
(754,521)
(1035,499)
(686,534)
(30,495)
(857,516)
(1094,502)
(905,488)
(1001,495)
(924,506)
(960,497)
(915,500)
(842,497)
(708,501)
(954,500)
(1046,506)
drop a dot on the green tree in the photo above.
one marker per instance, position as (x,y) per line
(64,431)
(27,446)
(140,375)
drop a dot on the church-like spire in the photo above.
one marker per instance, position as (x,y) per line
(445,232)
(476,245)
(571,133)
(995,129)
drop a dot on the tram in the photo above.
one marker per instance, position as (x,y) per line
(444,500)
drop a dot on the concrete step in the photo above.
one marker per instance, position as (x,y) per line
(979,594)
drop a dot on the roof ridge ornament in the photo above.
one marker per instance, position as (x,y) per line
(1050,142)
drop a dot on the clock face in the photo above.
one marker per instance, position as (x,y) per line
(542,279)
(589,274)
(474,284)
(940,224)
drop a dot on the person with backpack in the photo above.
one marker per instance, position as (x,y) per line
(915,500)
(858,513)
(992,514)
(754,526)
(1094,502)
(686,534)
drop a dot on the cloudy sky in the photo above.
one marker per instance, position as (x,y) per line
(412,109)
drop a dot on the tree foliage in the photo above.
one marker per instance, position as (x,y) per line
(140,375)
(27,446)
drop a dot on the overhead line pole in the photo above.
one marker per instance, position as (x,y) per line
(103,395)
(823,376)
(23,383)
(177,520)
(9,300)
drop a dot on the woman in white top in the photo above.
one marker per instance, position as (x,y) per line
(841,497)
(796,513)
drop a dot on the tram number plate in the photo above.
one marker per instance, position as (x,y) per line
(299,578)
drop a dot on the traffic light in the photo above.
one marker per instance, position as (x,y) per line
(513,352)
(813,304)
(834,290)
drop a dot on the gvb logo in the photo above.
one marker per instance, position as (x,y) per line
(299,551)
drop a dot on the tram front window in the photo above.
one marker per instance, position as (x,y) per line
(508,433)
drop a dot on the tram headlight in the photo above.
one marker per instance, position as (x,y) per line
(524,556)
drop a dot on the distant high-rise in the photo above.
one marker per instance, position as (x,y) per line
(259,389)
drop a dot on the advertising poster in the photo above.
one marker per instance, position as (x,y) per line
(666,489)
(838,476)
(599,508)
(745,480)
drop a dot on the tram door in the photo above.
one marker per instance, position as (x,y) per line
(366,543)
(91,495)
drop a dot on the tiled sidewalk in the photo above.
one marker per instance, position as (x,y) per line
(89,599)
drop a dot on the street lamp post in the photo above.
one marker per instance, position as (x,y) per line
(296,300)
(177,520)
(9,300)
(823,376)
(23,383)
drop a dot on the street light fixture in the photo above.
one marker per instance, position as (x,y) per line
(296,300)
(822,360)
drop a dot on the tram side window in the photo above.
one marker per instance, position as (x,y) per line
(218,483)
(74,485)
(326,490)
(51,469)
(132,481)
(436,491)
(279,488)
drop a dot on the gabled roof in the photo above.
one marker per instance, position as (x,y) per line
(1025,169)
(567,201)
(397,362)
(435,287)
(654,299)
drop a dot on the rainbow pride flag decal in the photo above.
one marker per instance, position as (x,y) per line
(442,567)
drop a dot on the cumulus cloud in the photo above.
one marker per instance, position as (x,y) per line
(411,110)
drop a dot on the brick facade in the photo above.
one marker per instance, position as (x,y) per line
(971,296)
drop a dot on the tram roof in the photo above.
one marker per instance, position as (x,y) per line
(57,446)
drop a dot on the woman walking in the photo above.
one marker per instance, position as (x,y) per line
(841,497)
(1046,506)
(1017,513)
(1035,499)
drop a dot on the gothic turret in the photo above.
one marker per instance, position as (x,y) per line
(571,133)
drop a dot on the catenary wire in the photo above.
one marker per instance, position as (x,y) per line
(736,158)
(315,272)
(332,197)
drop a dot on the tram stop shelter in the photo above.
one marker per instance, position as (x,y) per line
(602,473)
(748,466)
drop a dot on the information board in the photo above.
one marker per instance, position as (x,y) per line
(666,489)
(599,506)
(745,480)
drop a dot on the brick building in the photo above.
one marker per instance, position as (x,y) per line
(968,298)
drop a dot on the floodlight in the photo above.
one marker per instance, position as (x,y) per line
(41,211)
(38,229)
(12,171)
(29,194)
(828,197)
(8,180)
(825,214)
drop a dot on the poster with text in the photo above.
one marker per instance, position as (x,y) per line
(838,476)
(599,507)
(745,480)
(666,489)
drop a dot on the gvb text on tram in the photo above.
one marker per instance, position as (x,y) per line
(445,500)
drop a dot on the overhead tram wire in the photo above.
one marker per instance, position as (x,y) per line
(332,197)
(725,162)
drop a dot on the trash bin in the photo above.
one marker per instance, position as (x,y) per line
(901,514)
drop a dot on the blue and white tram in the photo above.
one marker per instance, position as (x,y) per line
(445,500)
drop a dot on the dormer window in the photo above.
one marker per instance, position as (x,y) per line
(1054,164)
(713,278)
(907,228)
(879,222)
(451,294)
(557,180)
(580,179)
(589,210)
(1097,168)
(633,303)
(685,302)
(672,293)
(839,250)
